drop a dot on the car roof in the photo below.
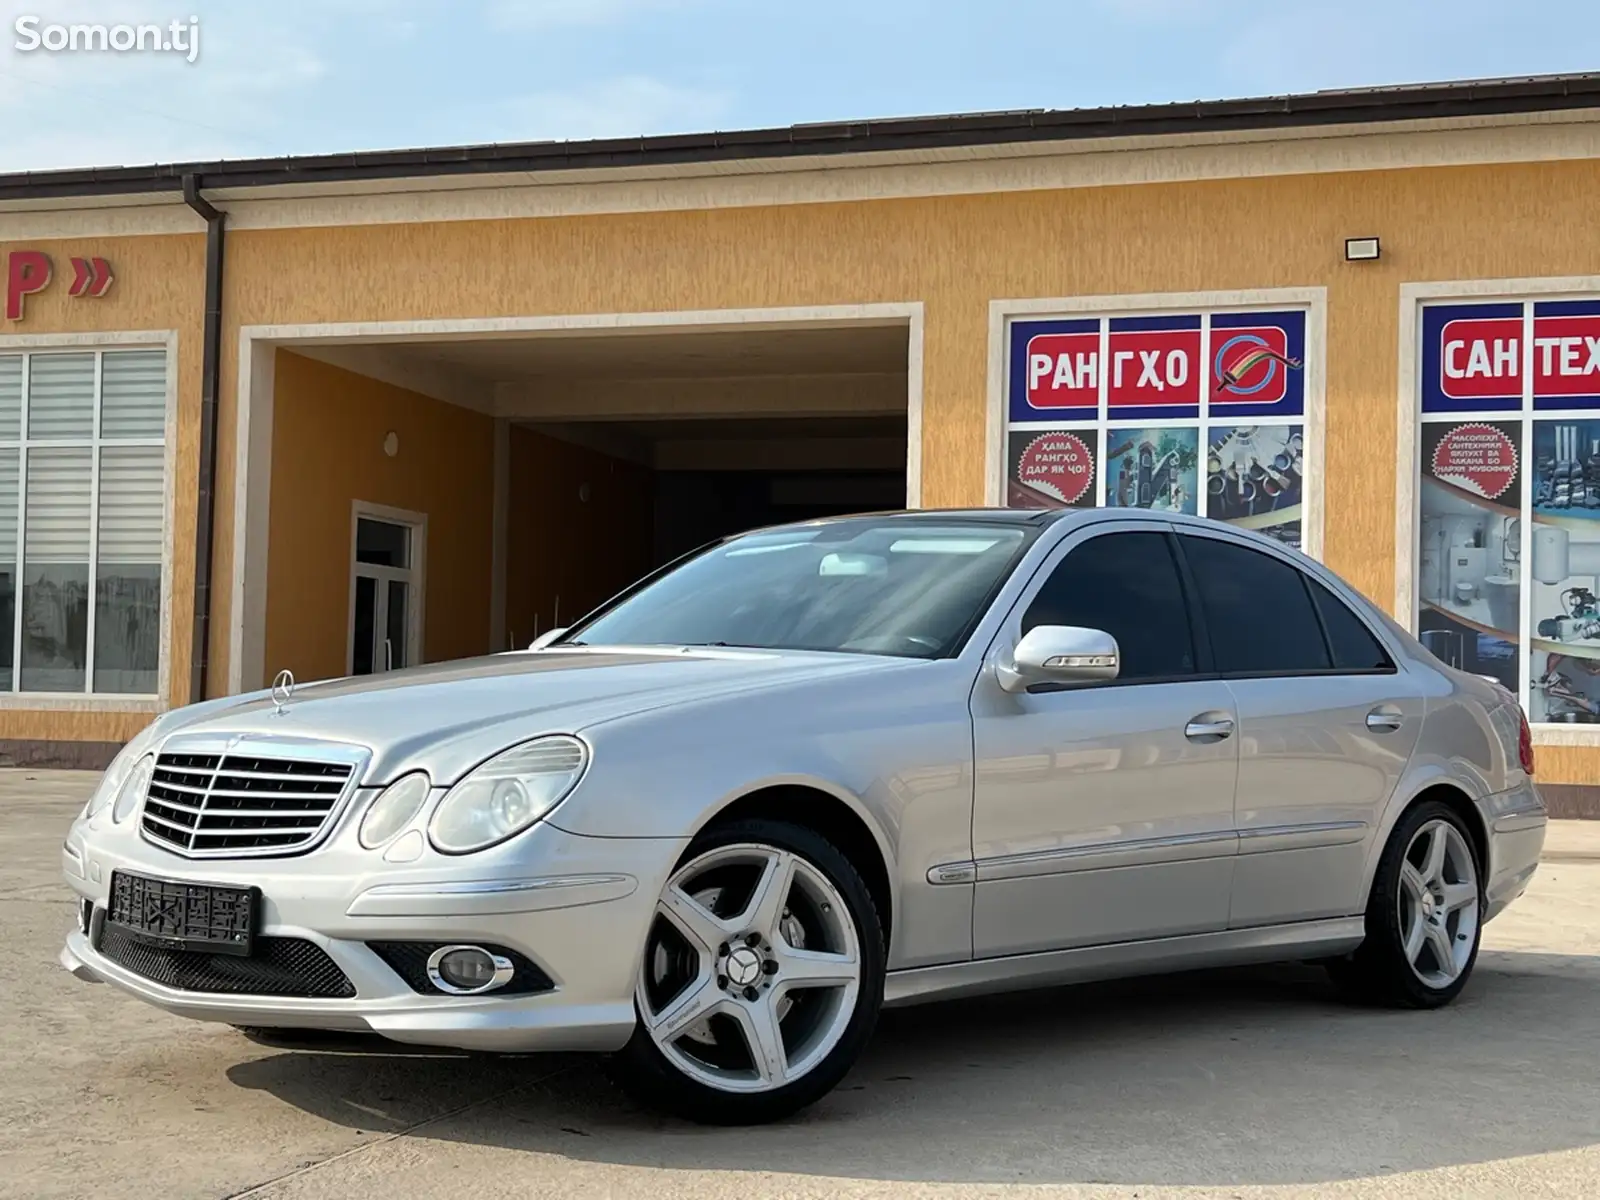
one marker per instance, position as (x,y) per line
(1034,518)
(985,516)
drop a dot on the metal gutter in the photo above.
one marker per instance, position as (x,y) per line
(210,384)
(1543,94)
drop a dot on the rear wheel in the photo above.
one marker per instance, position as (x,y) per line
(1423,919)
(762,977)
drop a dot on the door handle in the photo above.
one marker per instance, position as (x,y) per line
(1384,719)
(388,655)
(1209,727)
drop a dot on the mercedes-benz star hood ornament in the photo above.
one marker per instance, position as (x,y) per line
(282,690)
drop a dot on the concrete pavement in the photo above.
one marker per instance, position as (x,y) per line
(1243,1083)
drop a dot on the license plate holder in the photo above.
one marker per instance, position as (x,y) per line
(183,915)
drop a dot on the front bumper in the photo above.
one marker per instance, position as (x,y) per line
(1516,821)
(579,908)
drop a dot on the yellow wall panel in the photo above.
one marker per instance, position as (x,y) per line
(327,452)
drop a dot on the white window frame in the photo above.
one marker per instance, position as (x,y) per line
(87,700)
(1408,478)
(1313,300)
(416,575)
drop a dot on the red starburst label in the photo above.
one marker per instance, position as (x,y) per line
(1476,458)
(1060,465)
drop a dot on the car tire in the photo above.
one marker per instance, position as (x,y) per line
(708,1068)
(1424,915)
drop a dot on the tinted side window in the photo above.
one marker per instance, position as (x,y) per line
(1257,610)
(1126,584)
(1354,647)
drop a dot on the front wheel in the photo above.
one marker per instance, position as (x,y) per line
(762,977)
(1423,919)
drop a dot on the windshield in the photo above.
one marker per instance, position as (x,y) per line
(899,587)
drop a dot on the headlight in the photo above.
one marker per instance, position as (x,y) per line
(116,775)
(393,809)
(507,794)
(133,788)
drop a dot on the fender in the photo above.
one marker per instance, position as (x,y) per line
(816,784)
(1423,773)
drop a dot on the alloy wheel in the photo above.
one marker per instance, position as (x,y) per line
(1438,904)
(752,969)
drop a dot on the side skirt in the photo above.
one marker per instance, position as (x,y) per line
(1157,956)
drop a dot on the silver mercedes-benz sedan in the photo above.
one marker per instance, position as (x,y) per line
(813,770)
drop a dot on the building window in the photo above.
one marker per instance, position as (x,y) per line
(1198,412)
(82,489)
(1508,551)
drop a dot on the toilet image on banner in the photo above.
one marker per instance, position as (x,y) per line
(1469,575)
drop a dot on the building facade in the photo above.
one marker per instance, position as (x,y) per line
(346,414)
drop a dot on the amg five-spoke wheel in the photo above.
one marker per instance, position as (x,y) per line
(761,977)
(1438,903)
(1423,917)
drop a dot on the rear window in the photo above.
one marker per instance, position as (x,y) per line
(1353,645)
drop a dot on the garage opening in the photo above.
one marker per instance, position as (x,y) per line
(616,451)
(595,507)
(629,452)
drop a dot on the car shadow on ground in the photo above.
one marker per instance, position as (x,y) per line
(1259,1076)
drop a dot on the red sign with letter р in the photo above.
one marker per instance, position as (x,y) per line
(1064,370)
(28,272)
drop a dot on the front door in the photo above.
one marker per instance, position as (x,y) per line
(383,626)
(1327,725)
(1104,813)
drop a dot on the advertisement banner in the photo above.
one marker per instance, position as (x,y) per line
(1565,552)
(1257,364)
(1156,367)
(1566,354)
(1255,478)
(1055,370)
(1154,469)
(1051,468)
(1471,357)
(1469,573)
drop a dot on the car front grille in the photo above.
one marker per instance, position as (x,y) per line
(214,805)
(276,966)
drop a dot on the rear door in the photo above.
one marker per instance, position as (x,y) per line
(1327,725)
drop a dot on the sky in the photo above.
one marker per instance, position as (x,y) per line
(275,77)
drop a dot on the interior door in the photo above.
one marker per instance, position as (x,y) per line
(382,623)
(1104,813)
(1327,725)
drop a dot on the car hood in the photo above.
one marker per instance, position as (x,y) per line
(448,717)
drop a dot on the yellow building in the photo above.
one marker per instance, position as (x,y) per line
(347,413)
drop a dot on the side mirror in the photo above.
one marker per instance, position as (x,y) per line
(545,638)
(1060,654)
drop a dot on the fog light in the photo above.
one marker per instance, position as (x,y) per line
(468,970)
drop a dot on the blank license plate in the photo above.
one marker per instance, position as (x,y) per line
(184,916)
